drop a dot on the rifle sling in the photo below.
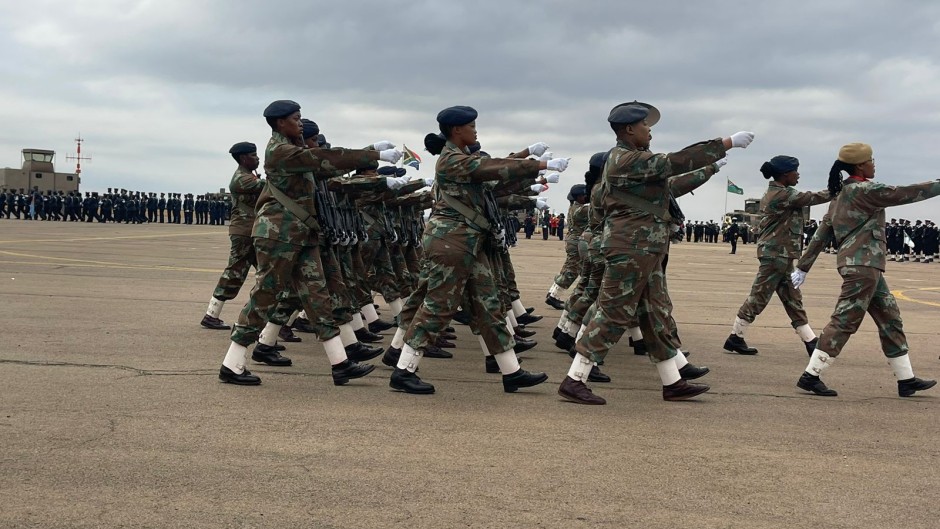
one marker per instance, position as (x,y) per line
(296,210)
(471,215)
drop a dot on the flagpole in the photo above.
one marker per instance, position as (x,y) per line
(727,184)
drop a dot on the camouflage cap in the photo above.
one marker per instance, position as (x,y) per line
(633,112)
(281,108)
(855,153)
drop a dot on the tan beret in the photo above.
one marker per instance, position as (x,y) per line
(855,153)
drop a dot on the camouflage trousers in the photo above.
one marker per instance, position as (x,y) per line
(353,272)
(241,258)
(592,274)
(510,271)
(340,301)
(412,263)
(773,275)
(864,289)
(283,266)
(452,273)
(571,266)
(402,275)
(498,258)
(584,275)
(633,290)
(381,273)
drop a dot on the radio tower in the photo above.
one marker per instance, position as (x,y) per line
(78,156)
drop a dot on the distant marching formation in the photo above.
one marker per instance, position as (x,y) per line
(327,228)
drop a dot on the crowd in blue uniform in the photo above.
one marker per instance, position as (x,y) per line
(116,206)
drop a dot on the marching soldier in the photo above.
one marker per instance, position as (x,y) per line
(286,240)
(778,245)
(455,258)
(245,187)
(856,218)
(635,195)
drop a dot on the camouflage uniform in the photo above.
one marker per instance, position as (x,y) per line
(288,250)
(578,215)
(857,220)
(245,188)
(780,233)
(634,245)
(454,249)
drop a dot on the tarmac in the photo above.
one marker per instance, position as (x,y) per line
(112,415)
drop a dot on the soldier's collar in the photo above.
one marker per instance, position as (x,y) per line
(624,145)
(452,145)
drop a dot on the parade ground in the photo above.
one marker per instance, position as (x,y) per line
(112,414)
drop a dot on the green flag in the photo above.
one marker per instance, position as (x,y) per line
(734,189)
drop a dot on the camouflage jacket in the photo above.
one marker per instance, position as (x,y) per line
(579,214)
(646,175)
(245,188)
(857,220)
(462,176)
(291,169)
(781,224)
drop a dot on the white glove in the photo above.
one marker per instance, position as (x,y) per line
(797,278)
(390,155)
(552,178)
(545,157)
(429,182)
(396,182)
(541,203)
(383,145)
(538,148)
(721,163)
(538,188)
(558,164)
(742,139)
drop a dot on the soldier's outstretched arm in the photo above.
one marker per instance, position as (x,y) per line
(816,244)
(629,168)
(801,199)
(324,163)
(881,195)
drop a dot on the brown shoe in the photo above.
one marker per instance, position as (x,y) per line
(682,390)
(576,391)
(287,335)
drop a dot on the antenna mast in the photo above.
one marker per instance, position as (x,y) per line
(78,156)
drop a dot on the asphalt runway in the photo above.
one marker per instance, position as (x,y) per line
(112,415)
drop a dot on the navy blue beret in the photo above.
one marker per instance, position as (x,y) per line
(311,129)
(321,141)
(633,112)
(599,159)
(243,147)
(281,108)
(784,164)
(391,170)
(577,190)
(456,116)
(475,147)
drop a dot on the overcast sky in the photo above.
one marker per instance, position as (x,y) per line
(161,89)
